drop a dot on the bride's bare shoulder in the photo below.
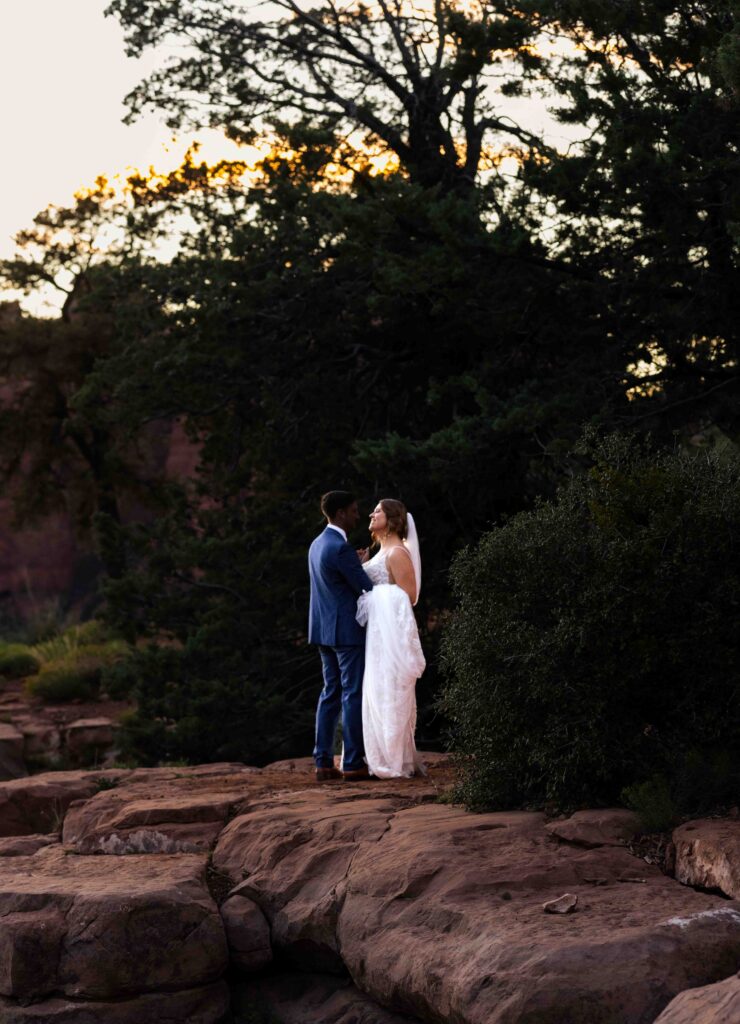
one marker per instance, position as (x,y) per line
(402,569)
(399,554)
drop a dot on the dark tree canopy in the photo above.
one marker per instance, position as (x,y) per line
(643,203)
(649,199)
(426,80)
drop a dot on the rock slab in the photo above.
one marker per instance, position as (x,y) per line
(247,934)
(38,804)
(12,764)
(437,913)
(708,854)
(89,739)
(104,928)
(610,827)
(137,819)
(205,1005)
(712,1004)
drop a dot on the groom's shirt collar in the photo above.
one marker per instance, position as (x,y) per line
(331,526)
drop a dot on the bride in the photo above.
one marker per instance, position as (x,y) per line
(393,656)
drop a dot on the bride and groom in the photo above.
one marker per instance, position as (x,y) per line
(362,621)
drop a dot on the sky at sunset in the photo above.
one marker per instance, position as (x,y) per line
(63,78)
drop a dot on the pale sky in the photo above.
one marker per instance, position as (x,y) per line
(63,78)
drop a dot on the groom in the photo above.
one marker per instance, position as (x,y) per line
(337,580)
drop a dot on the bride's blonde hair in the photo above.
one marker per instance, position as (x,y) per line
(395,513)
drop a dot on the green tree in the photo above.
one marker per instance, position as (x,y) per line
(62,444)
(648,201)
(595,641)
(421,80)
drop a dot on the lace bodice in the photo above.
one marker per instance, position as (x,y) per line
(377,568)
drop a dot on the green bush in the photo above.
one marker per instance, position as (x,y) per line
(75,675)
(597,636)
(653,802)
(694,782)
(65,681)
(119,678)
(72,639)
(16,661)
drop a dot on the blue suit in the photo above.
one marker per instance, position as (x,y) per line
(337,580)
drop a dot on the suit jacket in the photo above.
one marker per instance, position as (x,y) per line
(337,580)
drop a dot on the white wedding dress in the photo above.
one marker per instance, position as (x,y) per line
(393,662)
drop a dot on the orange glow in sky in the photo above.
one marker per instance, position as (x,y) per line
(63,79)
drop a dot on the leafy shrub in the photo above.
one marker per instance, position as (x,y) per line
(597,636)
(653,802)
(16,661)
(695,781)
(75,675)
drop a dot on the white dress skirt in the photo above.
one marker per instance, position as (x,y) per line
(393,662)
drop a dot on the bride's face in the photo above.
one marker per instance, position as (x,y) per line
(378,519)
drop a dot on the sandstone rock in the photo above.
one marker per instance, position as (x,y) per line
(11,704)
(295,854)
(293,764)
(247,933)
(305,765)
(106,928)
(26,846)
(712,1004)
(357,879)
(12,765)
(206,1005)
(564,904)
(612,827)
(89,739)
(217,774)
(133,820)
(312,999)
(41,738)
(708,854)
(39,803)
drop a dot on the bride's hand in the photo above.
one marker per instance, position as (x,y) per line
(363,554)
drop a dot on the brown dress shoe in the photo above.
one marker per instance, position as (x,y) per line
(357,775)
(327,774)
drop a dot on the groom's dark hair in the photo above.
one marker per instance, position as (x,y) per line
(333,501)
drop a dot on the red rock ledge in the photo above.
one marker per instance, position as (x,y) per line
(127,896)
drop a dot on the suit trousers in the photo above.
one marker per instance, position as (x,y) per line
(343,669)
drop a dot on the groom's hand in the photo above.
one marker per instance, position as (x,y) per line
(362,554)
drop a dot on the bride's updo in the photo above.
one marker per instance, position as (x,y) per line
(395,513)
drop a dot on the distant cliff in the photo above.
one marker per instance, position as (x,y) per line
(48,562)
